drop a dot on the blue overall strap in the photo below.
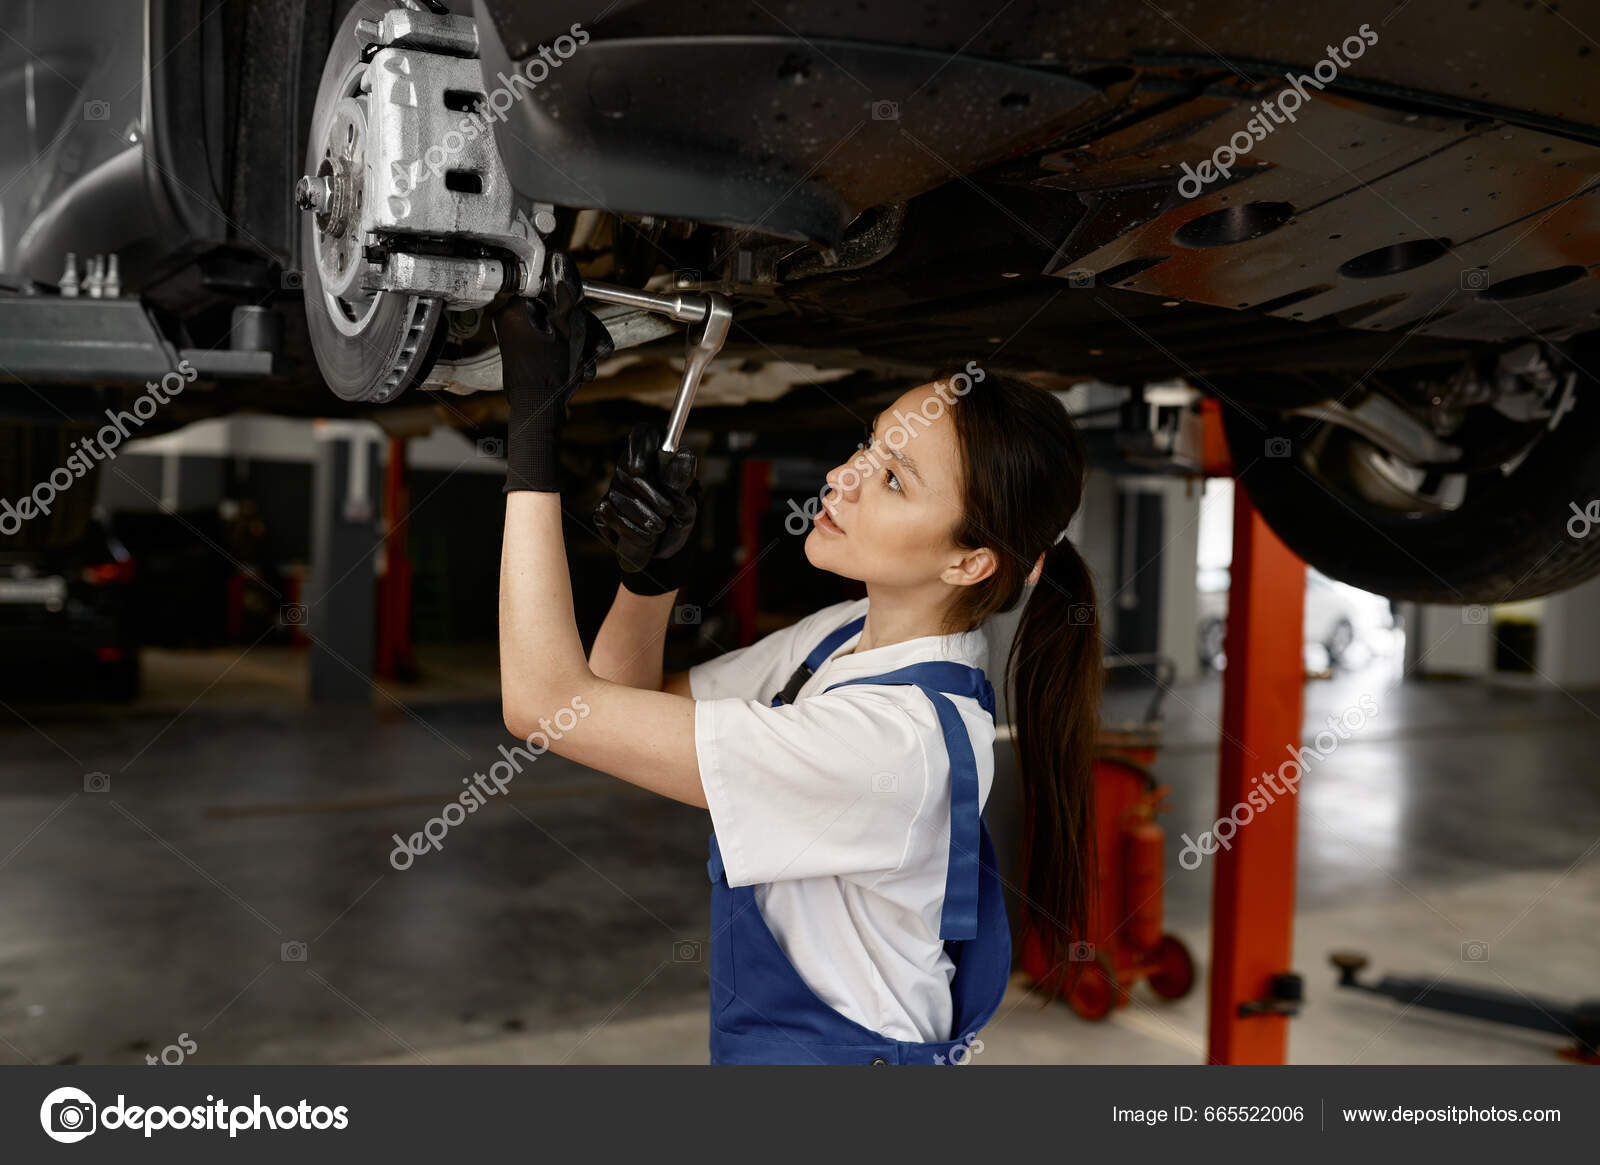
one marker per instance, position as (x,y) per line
(816,659)
(959,921)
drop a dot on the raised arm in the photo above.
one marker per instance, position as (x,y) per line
(629,646)
(550,695)
(647,511)
(643,737)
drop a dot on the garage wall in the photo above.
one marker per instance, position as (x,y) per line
(455,528)
(1569,637)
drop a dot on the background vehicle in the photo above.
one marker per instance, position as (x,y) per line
(67,621)
(1392,291)
(1342,624)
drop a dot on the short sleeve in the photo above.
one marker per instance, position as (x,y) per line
(744,671)
(831,785)
(759,671)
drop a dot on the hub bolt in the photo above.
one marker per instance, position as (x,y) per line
(314,194)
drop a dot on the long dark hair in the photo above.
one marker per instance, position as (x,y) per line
(1023,481)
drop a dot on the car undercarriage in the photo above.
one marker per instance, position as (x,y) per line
(1381,270)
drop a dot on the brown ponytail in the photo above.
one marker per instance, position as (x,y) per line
(1025,469)
(1054,677)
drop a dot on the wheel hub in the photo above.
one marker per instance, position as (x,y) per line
(334,195)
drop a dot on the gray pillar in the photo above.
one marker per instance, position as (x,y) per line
(1449,640)
(1569,637)
(341,599)
(1180,601)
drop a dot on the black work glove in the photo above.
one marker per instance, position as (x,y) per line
(549,345)
(648,513)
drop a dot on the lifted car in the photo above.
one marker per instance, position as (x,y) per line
(1382,269)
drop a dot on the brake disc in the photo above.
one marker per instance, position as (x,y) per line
(370,345)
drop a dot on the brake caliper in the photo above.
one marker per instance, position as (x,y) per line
(419,203)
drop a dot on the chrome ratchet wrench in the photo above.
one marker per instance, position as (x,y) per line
(708,316)
(709,310)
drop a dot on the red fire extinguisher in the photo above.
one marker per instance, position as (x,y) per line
(1144,848)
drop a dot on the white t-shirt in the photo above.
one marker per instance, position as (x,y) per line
(837,809)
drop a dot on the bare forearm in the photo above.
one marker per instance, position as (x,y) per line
(629,647)
(541,657)
(646,738)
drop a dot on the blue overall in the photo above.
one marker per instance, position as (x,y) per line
(762,1011)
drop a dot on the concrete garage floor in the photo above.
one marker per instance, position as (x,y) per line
(558,924)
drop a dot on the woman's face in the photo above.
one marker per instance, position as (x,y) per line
(894,506)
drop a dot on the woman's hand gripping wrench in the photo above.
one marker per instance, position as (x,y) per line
(711,313)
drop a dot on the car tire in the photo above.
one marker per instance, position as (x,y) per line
(1508,540)
(1212,642)
(118,681)
(1339,641)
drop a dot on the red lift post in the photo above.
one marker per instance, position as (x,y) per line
(395,660)
(1252,916)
